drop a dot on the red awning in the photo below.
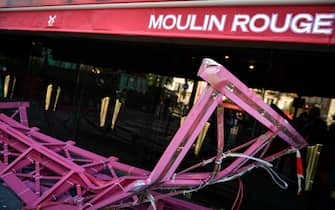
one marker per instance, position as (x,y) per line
(305,23)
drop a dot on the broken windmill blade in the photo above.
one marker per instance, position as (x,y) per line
(47,173)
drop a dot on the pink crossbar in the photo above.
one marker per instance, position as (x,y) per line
(19,107)
(48,173)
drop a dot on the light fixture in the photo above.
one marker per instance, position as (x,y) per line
(251,67)
(226,57)
(96,70)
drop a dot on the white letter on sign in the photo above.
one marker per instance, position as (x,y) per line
(218,23)
(193,26)
(325,21)
(169,22)
(261,18)
(241,21)
(186,25)
(299,26)
(285,27)
(155,23)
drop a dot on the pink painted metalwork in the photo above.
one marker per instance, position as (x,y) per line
(48,173)
(20,108)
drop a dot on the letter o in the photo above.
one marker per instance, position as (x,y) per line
(263,27)
(166,21)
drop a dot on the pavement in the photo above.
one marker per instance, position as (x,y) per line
(8,199)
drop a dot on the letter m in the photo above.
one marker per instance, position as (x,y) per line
(155,23)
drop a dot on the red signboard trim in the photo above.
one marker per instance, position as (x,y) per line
(65,4)
(298,24)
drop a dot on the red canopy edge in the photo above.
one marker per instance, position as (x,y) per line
(312,24)
(151,3)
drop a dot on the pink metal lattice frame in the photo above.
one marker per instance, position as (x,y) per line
(47,173)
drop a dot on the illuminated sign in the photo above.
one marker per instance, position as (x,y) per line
(302,23)
(299,24)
